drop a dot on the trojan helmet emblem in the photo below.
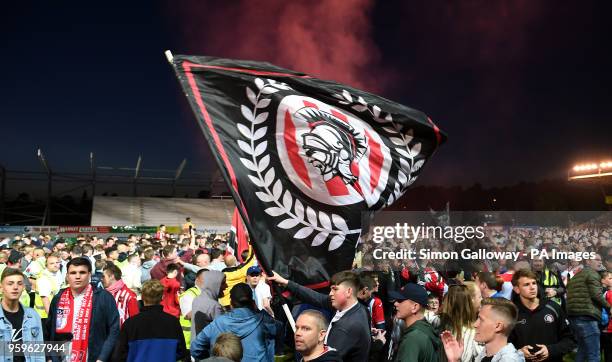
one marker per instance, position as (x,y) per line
(332,145)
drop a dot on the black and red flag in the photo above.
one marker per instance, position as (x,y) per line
(304,158)
(238,234)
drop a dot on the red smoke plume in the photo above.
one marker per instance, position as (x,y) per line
(328,39)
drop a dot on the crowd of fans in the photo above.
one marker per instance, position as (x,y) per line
(188,297)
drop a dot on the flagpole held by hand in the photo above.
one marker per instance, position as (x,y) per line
(279,280)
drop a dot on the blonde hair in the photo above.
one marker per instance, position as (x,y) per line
(228,345)
(458,311)
(152,292)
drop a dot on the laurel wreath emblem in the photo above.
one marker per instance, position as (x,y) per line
(410,157)
(283,204)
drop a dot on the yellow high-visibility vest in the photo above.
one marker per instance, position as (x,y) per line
(551,281)
(186,323)
(39,307)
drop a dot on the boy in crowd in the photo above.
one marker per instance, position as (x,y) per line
(542,331)
(171,290)
(227,348)
(373,303)
(261,290)
(19,324)
(152,335)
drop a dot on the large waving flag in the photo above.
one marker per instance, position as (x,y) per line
(304,157)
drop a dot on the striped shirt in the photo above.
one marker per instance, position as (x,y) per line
(127,303)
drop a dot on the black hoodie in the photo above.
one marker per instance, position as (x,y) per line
(547,325)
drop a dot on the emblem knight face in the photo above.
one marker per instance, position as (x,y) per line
(332,145)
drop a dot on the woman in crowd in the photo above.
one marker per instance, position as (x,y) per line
(458,315)
(475,295)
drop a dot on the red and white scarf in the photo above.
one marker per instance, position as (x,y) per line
(122,298)
(115,287)
(80,329)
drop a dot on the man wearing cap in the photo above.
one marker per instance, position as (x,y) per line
(419,341)
(261,290)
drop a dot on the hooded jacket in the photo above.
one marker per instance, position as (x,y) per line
(205,306)
(419,343)
(256,330)
(146,270)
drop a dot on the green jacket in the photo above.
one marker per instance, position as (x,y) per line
(419,343)
(585,295)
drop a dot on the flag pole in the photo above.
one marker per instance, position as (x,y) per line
(169,56)
(263,262)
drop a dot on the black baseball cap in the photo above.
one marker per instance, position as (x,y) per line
(410,291)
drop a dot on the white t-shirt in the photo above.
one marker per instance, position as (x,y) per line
(78,300)
(132,277)
(34,268)
(262,290)
(45,286)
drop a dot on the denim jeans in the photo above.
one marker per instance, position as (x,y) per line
(586,331)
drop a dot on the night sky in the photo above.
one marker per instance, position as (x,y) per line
(520,87)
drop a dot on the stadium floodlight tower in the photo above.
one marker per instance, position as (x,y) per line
(43,161)
(591,170)
(601,173)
